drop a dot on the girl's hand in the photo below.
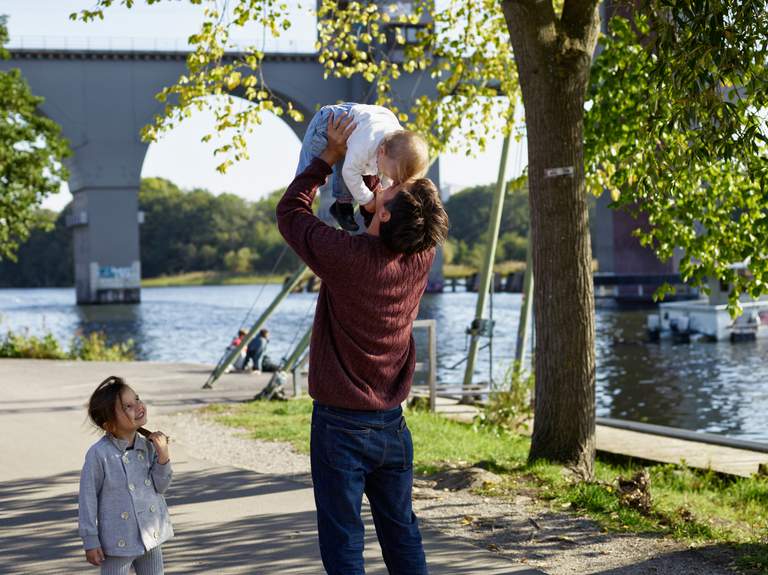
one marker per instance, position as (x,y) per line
(94,556)
(160,441)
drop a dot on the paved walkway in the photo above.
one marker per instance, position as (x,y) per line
(227,520)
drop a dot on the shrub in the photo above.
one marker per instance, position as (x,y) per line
(31,347)
(92,347)
(509,408)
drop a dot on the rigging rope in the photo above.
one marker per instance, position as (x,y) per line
(253,305)
(263,285)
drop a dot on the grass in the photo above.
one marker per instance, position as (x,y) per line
(461,271)
(691,505)
(227,278)
(211,278)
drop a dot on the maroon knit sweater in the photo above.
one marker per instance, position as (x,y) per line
(362,355)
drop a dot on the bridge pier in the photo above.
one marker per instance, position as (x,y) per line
(105,230)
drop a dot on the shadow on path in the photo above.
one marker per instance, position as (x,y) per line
(226,521)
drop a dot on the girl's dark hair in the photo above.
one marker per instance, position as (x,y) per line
(101,406)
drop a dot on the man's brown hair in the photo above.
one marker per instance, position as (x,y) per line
(418,220)
(410,152)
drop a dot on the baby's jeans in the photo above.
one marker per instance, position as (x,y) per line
(151,563)
(316,140)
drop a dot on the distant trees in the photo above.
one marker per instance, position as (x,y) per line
(469,212)
(198,231)
(45,259)
(195,230)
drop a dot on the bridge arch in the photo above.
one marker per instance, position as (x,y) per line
(102,99)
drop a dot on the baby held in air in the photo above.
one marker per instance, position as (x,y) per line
(378,146)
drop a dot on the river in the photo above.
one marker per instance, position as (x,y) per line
(720,388)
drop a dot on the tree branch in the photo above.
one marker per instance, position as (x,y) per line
(578,21)
(540,14)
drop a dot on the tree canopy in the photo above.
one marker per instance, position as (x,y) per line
(701,63)
(676,127)
(31,154)
(677,131)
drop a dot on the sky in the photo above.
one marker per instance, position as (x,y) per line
(180,156)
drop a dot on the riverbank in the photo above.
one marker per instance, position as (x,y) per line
(716,388)
(711,523)
(212,278)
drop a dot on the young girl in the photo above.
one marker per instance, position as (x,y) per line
(123,518)
(377,146)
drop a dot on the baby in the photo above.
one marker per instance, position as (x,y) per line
(378,146)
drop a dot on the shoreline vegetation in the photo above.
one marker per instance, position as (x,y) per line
(450,271)
(218,278)
(698,508)
(83,347)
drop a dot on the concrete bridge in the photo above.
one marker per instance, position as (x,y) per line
(102,99)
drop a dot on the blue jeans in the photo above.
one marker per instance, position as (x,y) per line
(316,140)
(371,452)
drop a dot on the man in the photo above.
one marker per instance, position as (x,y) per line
(257,349)
(362,358)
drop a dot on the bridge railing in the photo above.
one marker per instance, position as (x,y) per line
(138,44)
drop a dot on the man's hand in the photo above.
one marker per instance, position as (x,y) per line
(94,556)
(385,195)
(339,130)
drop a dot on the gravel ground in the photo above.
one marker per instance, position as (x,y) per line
(557,542)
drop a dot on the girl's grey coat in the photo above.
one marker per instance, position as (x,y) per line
(121,503)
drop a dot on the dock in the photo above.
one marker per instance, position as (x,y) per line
(655,443)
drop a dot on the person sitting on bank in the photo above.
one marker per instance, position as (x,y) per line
(257,349)
(240,360)
(241,333)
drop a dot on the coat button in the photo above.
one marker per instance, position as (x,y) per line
(125,459)
(152,508)
(155,534)
(121,543)
(131,487)
(141,457)
(124,515)
(147,482)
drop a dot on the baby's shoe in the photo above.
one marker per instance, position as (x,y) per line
(345,215)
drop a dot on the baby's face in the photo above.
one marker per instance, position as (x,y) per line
(387,165)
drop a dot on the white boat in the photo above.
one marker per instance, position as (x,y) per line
(709,319)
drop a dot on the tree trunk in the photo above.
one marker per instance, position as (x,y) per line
(553,57)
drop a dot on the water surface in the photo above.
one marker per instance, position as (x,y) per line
(719,388)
